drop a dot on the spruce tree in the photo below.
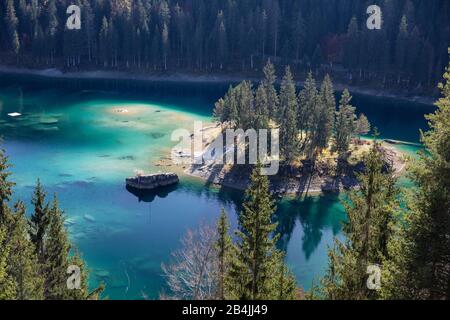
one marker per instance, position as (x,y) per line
(57,250)
(261,116)
(7,287)
(308,110)
(288,118)
(371,211)
(22,262)
(251,273)
(420,260)
(345,123)
(362,125)
(11,22)
(328,110)
(39,220)
(5,185)
(269,86)
(223,247)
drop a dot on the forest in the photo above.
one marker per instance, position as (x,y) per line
(213,36)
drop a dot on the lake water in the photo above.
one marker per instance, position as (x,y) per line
(71,136)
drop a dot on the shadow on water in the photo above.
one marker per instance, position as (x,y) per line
(150,195)
(314,215)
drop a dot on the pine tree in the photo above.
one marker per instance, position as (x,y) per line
(223,247)
(345,123)
(288,118)
(362,125)
(11,23)
(7,288)
(328,111)
(57,249)
(420,260)
(402,40)
(251,273)
(371,211)
(269,86)
(22,262)
(52,29)
(5,185)
(104,42)
(39,220)
(308,113)
(284,286)
(261,109)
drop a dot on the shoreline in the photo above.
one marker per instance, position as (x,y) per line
(304,184)
(198,78)
(309,179)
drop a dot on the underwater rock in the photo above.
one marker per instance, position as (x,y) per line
(156,135)
(89,218)
(69,222)
(102,274)
(127,158)
(152,181)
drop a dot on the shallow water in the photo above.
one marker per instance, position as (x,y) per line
(73,138)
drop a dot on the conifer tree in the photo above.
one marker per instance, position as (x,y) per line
(288,117)
(57,250)
(328,111)
(39,220)
(22,262)
(345,123)
(5,186)
(7,288)
(11,23)
(420,260)
(261,116)
(308,111)
(224,246)
(251,273)
(362,125)
(371,211)
(269,86)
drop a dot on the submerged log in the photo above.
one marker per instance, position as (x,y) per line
(152,181)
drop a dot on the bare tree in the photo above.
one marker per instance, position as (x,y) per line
(192,274)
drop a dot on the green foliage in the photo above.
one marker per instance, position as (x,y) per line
(371,213)
(22,262)
(269,87)
(288,117)
(224,248)
(419,264)
(257,259)
(39,220)
(362,125)
(221,36)
(326,112)
(345,123)
(35,253)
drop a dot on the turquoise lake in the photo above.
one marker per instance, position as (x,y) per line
(71,136)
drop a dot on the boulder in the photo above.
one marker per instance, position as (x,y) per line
(152,181)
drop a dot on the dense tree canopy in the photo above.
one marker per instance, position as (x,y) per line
(212,35)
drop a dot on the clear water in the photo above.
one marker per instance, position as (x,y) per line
(70,137)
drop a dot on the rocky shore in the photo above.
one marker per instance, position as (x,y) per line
(321,176)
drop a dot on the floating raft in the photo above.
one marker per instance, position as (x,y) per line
(152,181)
